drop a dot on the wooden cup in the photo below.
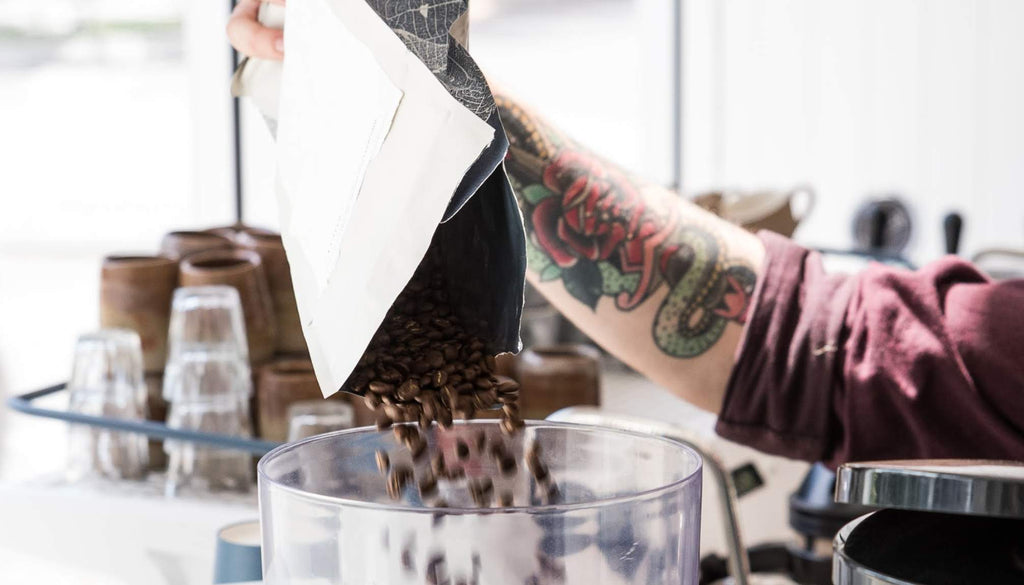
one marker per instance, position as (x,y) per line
(280,384)
(556,377)
(180,244)
(279,278)
(243,270)
(135,293)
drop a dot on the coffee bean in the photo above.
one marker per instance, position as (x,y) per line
(444,418)
(434,358)
(481,490)
(437,464)
(401,432)
(397,479)
(511,425)
(408,390)
(538,469)
(372,401)
(383,461)
(427,484)
(394,412)
(437,571)
(507,465)
(461,449)
(381,387)
(383,422)
(450,352)
(439,378)
(407,560)
(506,385)
(402,367)
(509,398)
(449,395)
(490,363)
(391,375)
(498,451)
(552,495)
(425,420)
(418,447)
(505,499)
(510,410)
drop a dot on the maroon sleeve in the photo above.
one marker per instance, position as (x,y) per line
(885,364)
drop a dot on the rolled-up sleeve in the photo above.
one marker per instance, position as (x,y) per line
(884,364)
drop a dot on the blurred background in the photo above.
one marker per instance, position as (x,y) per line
(117,126)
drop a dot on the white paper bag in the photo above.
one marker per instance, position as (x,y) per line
(386,128)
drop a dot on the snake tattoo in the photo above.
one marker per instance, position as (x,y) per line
(590,226)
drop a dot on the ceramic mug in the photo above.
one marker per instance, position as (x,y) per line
(769,210)
(242,269)
(238,558)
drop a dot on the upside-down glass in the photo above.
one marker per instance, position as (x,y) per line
(629,512)
(208,383)
(107,381)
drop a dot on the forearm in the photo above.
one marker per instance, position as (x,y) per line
(652,278)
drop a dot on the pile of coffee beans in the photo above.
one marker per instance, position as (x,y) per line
(422,366)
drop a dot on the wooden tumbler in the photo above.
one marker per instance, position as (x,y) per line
(180,244)
(279,278)
(280,384)
(243,270)
(135,293)
(556,377)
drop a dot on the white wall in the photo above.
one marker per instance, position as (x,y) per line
(920,97)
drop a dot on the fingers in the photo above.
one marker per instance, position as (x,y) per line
(251,38)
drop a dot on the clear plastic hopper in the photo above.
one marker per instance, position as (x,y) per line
(626,509)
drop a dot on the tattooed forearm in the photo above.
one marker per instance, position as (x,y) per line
(589,225)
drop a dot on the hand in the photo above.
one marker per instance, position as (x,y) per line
(251,38)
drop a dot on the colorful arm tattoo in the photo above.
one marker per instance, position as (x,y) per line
(589,225)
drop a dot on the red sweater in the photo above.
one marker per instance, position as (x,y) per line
(884,364)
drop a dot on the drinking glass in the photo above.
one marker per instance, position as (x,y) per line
(316,417)
(107,380)
(628,511)
(208,383)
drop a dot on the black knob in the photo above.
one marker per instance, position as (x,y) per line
(879,221)
(952,225)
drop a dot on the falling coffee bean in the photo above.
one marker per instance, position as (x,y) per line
(383,461)
(427,484)
(461,449)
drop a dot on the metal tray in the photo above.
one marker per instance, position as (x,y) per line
(156,430)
